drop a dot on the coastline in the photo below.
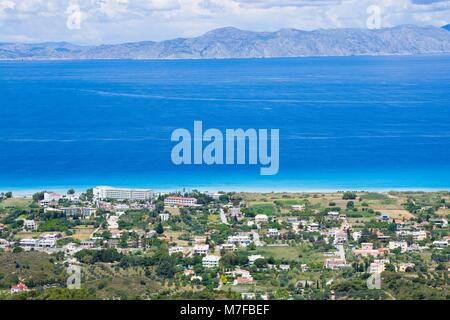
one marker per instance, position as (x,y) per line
(27,192)
(370,55)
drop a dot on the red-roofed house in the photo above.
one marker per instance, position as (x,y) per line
(21,287)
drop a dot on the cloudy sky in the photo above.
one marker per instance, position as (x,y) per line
(115,21)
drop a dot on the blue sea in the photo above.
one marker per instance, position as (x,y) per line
(359,123)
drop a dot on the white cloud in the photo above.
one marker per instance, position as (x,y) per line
(112,21)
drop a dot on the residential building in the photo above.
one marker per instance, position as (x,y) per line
(248,296)
(52,196)
(17,288)
(29,225)
(164,217)
(333,214)
(440,244)
(4,244)
(340,237)
(368,250)
(101,193)
(201,249)
(241,240)
(402,267)
(261,218)
(253,258)
(440,222)
(210,261)
(298,207)
(28,243)
(335,263)
(356,235)
(199,239)
(174,250)
(228,247)
(78,212)
(313,227)
(403,245)
(243,280)
(376,267)
(273,233)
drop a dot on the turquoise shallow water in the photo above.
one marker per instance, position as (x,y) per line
(345,123)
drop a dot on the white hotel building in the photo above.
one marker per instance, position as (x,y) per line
(180,201)
(121,194)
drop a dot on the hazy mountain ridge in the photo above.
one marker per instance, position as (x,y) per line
(234,43)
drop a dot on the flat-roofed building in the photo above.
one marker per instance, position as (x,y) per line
(241,240)
(78,212)
(122,194)
(403,245)
(29,225)
(201,249)
(210,261)
(180,201)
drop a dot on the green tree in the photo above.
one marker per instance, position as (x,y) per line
(349,196)
(159,228)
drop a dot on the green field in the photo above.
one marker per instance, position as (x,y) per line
(302,253)
(16,203)
(31,267)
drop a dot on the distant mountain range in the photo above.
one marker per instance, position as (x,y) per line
(234,43)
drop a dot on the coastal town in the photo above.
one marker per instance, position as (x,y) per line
(140,244)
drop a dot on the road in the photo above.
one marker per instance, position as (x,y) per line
(223,217)
(341,252)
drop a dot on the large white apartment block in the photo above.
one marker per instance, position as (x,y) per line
(122,193)
(210,261)
(180,201)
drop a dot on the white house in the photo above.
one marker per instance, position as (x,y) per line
(78,212)
(241,240)
(210,261)
(164,217)
(201,249)
(28,243)
(253,258)
(340,237)
(173,250)
(356,235)
(403,245)
(29,225)
(274,233)
(52,196)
